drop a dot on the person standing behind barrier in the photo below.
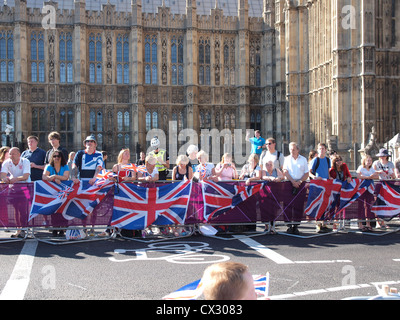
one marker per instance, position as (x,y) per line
(56,171)
(205,170)
(226,170)
(339,170)
(320,166)
(14,170)
(257,142)
(228,281)
(295,169)
(36,157)
(397,167)
(162,158)
(272,154)
(151,172)
(4,155)
(251,171)
(142,159)
(365,171)
(54,140)
(88,162)
(191,152)
(384,166)
(123,167)
(182,170)
(71,157)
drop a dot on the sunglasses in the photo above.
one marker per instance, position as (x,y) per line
(57,156)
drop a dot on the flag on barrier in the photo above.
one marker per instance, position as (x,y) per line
(194,290)
(322,197)
(350,192)
(136,207)
(69,199)
(387,204)
(220,197)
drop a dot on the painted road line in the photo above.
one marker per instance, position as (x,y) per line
(266,252)
(17,285)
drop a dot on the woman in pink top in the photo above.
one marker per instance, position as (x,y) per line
(226,170)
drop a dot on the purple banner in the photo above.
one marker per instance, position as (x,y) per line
(276,201)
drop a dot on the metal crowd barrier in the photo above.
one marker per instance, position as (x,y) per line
(276,203)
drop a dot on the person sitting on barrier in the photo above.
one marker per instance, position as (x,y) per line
(57,170)
(182,170)
(251,171)
(339,170)
(4,155)
(205,170)
(124,169)
(384,166)
(228,281)
(226,170)
(270,173)
(151,173)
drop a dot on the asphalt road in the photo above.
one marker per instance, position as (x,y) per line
(328,267)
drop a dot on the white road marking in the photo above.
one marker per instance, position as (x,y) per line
(280,259)
(328,290)
(267,252)
(16,286)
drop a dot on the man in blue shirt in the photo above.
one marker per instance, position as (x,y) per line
(89,162)
(321,164)
(257,143)
(36,156)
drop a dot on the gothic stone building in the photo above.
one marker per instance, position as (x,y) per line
(299,70)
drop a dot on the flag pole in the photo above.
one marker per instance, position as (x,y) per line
(267,286)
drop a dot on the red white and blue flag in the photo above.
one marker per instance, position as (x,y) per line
(194,290)
(220,197)
(70,200)
(136,207)
(387,204)
(322,197)
(352,191)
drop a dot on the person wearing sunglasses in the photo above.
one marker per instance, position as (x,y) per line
(57,170)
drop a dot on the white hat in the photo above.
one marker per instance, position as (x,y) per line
(155,142)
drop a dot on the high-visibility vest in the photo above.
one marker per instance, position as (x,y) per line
(161,153)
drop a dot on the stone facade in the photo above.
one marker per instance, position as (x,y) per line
(305,71)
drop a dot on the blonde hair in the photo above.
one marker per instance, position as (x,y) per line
(253,156)
(119,158)
(224,281)
(182,159)
(226,155)
(201,154)
(151,160)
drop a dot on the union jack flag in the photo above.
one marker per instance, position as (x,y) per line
(220,197)
(136,207)
(194,290)
(70,200)
(322,197)
(350,192)
(387,204)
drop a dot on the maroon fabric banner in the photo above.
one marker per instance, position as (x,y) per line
(277,201)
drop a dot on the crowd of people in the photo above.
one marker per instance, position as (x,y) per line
(264,163)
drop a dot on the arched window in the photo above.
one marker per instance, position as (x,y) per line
(150,59)
(122,56)
(96,57)
(37,57)
(204,61)
(66,58)
(177,61)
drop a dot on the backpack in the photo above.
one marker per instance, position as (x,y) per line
(317,164)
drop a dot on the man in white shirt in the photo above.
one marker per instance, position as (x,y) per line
(271,154)
(15,169)
(295,169)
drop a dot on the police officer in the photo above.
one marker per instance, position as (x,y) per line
(162,157)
